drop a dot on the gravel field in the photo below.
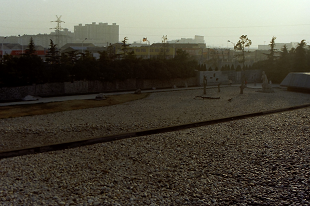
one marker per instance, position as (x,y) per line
(255,161)
(158,110)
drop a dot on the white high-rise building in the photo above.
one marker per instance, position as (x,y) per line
(197,40)
(100,34)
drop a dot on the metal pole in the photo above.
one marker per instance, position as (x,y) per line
(20,42)
(2,48)
(83,47)
(149,49)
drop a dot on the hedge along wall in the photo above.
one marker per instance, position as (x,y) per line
(85,87)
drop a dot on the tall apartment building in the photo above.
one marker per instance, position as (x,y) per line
(100,34)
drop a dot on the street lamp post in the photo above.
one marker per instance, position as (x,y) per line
(2,48)
(231,42)
(174,48)
(149,52)
(20,42)
(83,46)
(149,48)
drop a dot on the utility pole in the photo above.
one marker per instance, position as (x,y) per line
(2,49)
(20,42)
(164,42)
(149,48)
(83,48)
(58,28)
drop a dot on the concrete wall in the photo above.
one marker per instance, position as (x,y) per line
(215,77)
(78,87)
(148,84)
(252,76)
(52,89)
(85,87)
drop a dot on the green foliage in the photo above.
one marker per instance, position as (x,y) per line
(300,58)
(271,56)
(24,70)
(243,42)
(30,69)
(181,55)
(31,48)
(125,49)
(225,68)
(295,60)
(52,56)
(111,52)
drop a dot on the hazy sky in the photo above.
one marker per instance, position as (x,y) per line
(216,20)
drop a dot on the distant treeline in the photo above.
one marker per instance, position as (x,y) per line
(74,66)
(279,63)
(30,69)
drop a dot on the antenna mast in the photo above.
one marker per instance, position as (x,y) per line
(58,27)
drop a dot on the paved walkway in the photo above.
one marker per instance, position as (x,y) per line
(93,96)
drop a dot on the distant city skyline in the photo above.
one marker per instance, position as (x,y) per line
(217,21)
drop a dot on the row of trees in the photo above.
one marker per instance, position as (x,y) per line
(73,66)
(279,63)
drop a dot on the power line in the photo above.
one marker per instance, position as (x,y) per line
(208,27)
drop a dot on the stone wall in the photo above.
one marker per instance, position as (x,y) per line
(190,82)
(51,89)
(77,87)
(213,77)
(15,93)
(253,76)
(85,87)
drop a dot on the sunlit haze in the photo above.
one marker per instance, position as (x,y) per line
(217,20)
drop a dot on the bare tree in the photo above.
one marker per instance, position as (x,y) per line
(243,42)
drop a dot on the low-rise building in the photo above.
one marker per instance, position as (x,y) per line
(279,46)
(17,50)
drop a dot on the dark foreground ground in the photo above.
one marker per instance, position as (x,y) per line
(256,161)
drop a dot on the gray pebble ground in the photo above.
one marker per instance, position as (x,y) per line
(256,161)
